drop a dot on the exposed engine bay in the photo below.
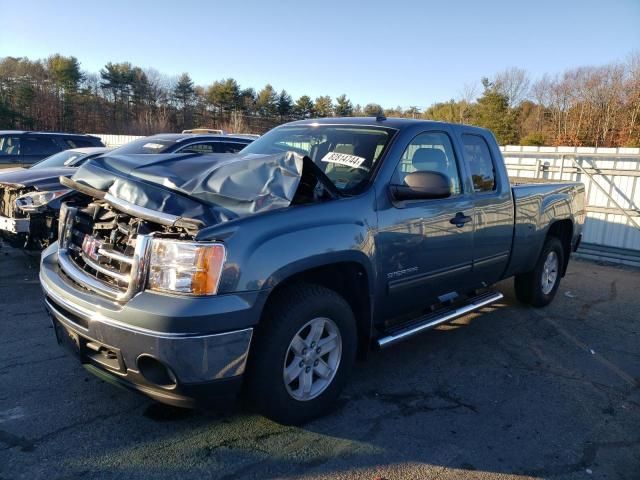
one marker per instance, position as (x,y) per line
(103,236)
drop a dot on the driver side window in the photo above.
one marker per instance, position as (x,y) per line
(429,152)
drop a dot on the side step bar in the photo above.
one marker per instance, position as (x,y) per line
(434,319)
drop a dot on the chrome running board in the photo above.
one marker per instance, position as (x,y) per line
(434,319)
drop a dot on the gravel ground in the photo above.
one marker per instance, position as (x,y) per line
(512,393)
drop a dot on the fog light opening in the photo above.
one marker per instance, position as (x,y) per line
(156,372)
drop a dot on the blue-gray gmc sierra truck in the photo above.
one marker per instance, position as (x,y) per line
(189,276)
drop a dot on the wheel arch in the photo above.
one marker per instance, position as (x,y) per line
(563,231)
(349,278)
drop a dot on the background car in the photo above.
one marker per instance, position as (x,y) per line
(30,198)
(185,143)
(22,149)
(38,192)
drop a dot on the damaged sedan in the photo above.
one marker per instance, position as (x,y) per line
(30,197)
(185,277)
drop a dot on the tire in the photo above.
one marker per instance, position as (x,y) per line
(539,286)
(294,312)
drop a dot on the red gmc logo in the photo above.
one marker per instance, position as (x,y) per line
(90,247)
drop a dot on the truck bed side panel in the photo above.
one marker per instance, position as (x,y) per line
(537,207)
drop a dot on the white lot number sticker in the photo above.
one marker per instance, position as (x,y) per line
(153,146)
(343,159)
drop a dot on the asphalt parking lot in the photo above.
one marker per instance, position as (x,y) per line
(512,393)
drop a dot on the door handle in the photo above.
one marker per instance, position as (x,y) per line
(460,219)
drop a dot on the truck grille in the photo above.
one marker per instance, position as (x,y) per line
(110,262)
(102,250)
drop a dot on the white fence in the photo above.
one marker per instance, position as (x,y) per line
(612,189)
(115,140)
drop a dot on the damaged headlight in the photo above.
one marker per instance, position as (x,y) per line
(191,268)
(33,201)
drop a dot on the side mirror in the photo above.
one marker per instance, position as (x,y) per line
(425,185)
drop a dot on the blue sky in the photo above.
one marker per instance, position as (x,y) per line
(391,52)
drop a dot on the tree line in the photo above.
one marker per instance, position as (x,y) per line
(594,106)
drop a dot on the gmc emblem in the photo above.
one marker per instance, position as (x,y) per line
(90,247)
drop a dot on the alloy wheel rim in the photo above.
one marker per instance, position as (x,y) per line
(312,359)
(549,273)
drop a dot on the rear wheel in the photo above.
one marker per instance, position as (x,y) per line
(539,286)
(305,348)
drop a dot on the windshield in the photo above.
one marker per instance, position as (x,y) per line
(346,154)
(60,159)
(144,145)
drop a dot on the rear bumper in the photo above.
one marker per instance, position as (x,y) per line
(14,225)
(174,366)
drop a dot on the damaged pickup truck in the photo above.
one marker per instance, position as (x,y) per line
(186,277)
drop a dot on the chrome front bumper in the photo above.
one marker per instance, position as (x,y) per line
(14,225)
(104,340)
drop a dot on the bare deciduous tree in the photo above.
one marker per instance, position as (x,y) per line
(514,84)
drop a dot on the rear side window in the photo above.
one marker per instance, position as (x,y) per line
(213,147)
(9,145)
(79,143)
(481,167)
(198,148)
(231,147)
(39,146)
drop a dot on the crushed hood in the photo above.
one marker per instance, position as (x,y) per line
(44,179)
(211,188)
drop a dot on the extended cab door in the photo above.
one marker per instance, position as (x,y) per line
(424,247)
(493,213)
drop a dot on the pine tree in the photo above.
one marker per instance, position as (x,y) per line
(224,94)
(323,106)
(267,101)
(344,108)
(493,112)
(304,107)
(184,93)
(285,104)
(373,110)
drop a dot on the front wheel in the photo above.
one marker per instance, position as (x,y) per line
(305,348)
(539,286)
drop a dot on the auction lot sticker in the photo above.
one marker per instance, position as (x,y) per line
(352,161)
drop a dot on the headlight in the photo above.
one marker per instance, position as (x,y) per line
(31,202)
(192,268)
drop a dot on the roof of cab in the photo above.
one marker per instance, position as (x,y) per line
(390,122)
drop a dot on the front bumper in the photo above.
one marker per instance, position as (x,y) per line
(14,225)
(131,343)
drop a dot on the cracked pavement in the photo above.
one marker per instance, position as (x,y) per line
(512,393)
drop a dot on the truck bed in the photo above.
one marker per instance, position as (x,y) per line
(536,206)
